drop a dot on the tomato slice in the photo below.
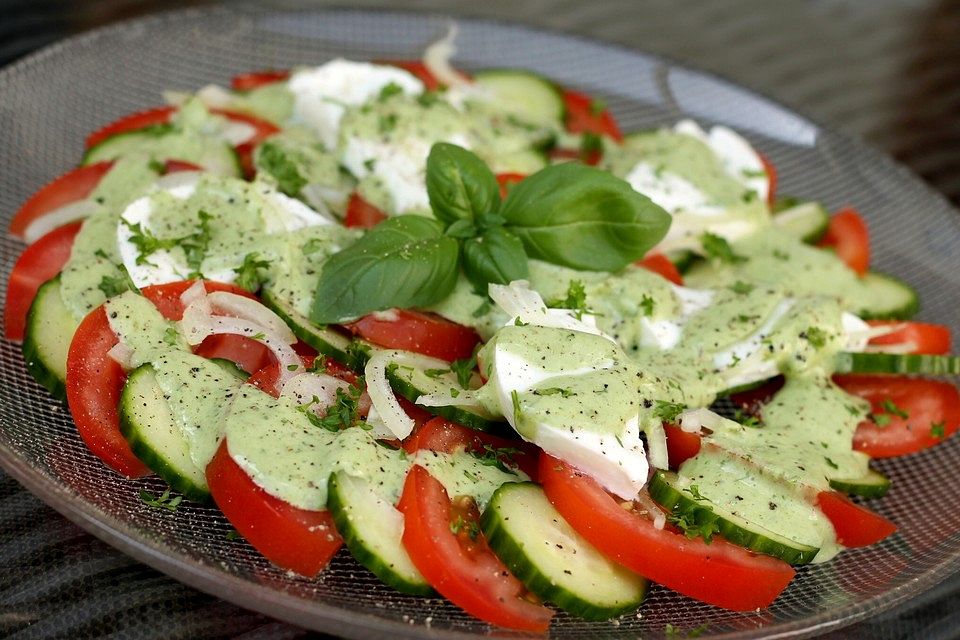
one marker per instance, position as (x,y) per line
(855,526)
(771,171)
(295,539)
(362,214)
(38,263)
(681,445)
(95,380)
(439,434)
(932,408)
(927,338)
(717,573)
(418,69)
(257,79)
(74,185)
(507,180)
(583,116)
(131,122)
(463,570)
(262,131)
(417,331)
(659,263)
(847,234)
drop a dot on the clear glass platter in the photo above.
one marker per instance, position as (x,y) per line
(51,100)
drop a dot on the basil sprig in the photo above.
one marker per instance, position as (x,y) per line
(569,214)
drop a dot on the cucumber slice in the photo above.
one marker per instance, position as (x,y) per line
(413,375)
(806,221)
(898,363)
(683,259)
(554,561)
(525,94)
(371,529)
(164,141)
(46,341)
(895,299)
(148,425)
(352,352)
(665,488)
(872,485)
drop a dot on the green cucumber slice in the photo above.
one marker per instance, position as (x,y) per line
(352,352)
(872,485)
(46,340)
(895,299)
(554,561)
(805,221)
(898,363)
(413,375)
(525,94)
(165,141)
(372,530)
(665,488)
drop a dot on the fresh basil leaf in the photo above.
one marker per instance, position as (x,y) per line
(460,185)
(581,217)
(462,229)
(496,256)
(403,262)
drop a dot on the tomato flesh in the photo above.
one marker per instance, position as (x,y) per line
(425,333)
(131,122)
(584,117)
(932,408)
(361,214)
(771,170)
(933,339)
(507,180)
(847,234)
(73,186)
(661,264)
(855,526)
(718,573)
(257,79)
(418,69)
(295,539)
(681,445)
(38,263)
(463,569)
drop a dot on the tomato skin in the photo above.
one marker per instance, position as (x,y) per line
(361,214)
(925,401)
(439,434)
(465,572)
(718,573)
(417,331)
(418,69)
(74,185)
(262,131)
(95,381)
(507,180)
(661,264)
(681,445)
(771,171)
(855,526)
(38,263)
(257,79)
(847,234)
(295,539)
(934,339)
(131,122)
(581,118)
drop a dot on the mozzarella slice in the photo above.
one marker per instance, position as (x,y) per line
(735,153)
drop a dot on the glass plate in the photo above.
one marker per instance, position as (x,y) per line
(50,101)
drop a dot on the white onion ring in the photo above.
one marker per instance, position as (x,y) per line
(657,445)
(304,387)
(225,303)
(384,402)
(122,354)
(436,58)
(693,420)
(39,227)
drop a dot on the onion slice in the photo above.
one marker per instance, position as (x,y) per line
(71,212)
(521,302)
(694,420)
(384,403)
(317,388)
(436,58)
(657,445)
(225,303)
(122,354)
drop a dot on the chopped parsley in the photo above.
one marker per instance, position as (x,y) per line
(195,245)
(483,309)
(115,285)
(753,173)
(463,369)
(668,411)
(880,419)
(747,419)
(781,255)
(831,463)
(387,122)
(597,106)
(248,274)
(275,161)
(694,491)
(938,430)
(163,501)
(469,527)
(691,521)
(590,144)
(171,336)
(552,391)
(718,248)
(345,410)
(741,288)
(816,336)
(576,300)
(233,534)
(648,304)
(501,458)
(517,412)
(890,407)
(313,245)
(390,89)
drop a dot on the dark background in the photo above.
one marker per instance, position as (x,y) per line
(887,71)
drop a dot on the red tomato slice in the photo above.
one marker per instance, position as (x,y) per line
(847,234)
(856,526)
(591,158)
(507,180)
(74,185)
(718,573)
(439,434)
(681,445)
(262,131)
(425,333)
(463,570)
(95,380)
(932,407)
(38,263)
(583,117)
(256,79)
(771,178)
(927,338)
(131,122)
(659,263)
(362,214)
(418,69)
(295,539)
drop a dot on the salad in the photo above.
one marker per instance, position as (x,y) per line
(467,328)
